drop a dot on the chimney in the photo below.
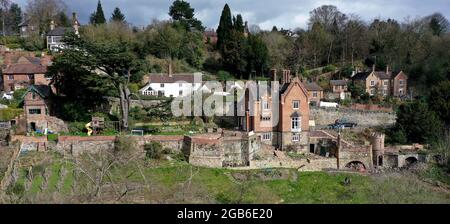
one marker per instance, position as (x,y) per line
(169,69)
(373,68)
(75,23)
(353,73)
(52,25)
(273,75)
(286,77)
(387,69)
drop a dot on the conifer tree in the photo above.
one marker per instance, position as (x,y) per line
(118,16)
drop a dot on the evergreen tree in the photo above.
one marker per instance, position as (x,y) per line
(15,18)
(183,13)
(98,17)
(63,20)
(239,24)
(225,26)
(118,16)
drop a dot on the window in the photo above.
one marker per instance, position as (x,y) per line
(372,83)
(33,96)
(34,111)
(295,124)
(314,94)
(180,93)
(265,105)
(162,85)
(30,77)
(180,84)
(400,82)
(267,136)
(384,91)
(400,91)
(295,137)
(386,82)
(372,91)
(10,77)
(265,118)
(295,104)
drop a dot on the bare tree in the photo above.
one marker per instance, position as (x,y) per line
(5,4)
(41,12)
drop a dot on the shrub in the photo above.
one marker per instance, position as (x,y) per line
(17,189)
(153,150)
(52,137)
(329,68)
(224,76)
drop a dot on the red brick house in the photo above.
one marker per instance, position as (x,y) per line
(26,71)
(293,115)
(384,83)
(37,106)
(315,93)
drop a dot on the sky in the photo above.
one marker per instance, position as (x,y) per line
(288,14)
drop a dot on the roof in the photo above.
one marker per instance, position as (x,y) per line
(361,75)
(338,82)
(383,75)
(43,90)
(25,69)
(312,86)
(59,31)
(23,23)
(178,77)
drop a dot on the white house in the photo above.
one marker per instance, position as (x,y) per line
(56,34)
(172,85)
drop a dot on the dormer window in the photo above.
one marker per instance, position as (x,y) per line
(372,83)
(162,85)
(295,104)
(400,82)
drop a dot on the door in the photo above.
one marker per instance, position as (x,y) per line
(33,126)
(312,148)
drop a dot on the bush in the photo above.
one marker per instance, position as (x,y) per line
(76,127)
(52,137)
(153,150)
(17,189)
(329,68)
(224,76)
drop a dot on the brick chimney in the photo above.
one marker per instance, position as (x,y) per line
(75,23)
(286,77)
(373,68)
(273,75)
(52,25)
(387,69)
(169,69)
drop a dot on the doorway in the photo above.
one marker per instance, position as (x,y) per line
(33,126)
(312,148)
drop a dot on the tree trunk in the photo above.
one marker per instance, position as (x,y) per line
(124,104)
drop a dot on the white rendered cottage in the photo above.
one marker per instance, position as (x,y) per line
(172,85)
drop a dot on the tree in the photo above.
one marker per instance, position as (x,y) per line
(117,16)
(225,27)
(98,17)
(4,10)
(94,67)
(63,20)
(15,18)
(440,101)
(438,24)
(183,13)
(419,124)
(41,12)
(257,55)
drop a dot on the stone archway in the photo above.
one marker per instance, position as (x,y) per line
(410,161)
(355,165)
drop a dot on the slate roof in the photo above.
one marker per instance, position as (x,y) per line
(165,78)
(338,82)
(42,90)
(59,31)
(312,86)
(25,69)
(383,75)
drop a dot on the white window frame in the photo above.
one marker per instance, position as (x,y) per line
(372,83)
(266,136)
(296,124)
(180,93)
(161,85)
(315,94)
(385,82)
(400,82)
(295,137)
(265,118)
(294,106)
(265,105)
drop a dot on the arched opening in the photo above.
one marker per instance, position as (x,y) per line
(410,161)
(380,160)
(355,165)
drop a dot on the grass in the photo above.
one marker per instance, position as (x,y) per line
(53,180)
(36,184)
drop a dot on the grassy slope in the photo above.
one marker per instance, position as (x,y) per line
(169,182)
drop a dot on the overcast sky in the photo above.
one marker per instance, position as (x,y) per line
(265,13)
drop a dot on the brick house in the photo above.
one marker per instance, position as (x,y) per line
(37,101)
(382,82)
(339,86)
(26,71)
(292,128)
(315,93)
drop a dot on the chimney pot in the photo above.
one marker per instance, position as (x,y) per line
(52,25)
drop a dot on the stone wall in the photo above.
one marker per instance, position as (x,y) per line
(326,116)
(300,164)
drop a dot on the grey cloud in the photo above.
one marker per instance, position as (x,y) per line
(265,13)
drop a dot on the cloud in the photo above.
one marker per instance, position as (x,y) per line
(265,13)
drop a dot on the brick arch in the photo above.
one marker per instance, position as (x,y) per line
(410,160)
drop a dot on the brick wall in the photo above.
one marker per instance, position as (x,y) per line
(328,116)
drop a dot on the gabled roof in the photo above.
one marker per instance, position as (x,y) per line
(338,82)
(383,75)
(165,78)
(312,86)
(59,31)
(25,69)
(42,90)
